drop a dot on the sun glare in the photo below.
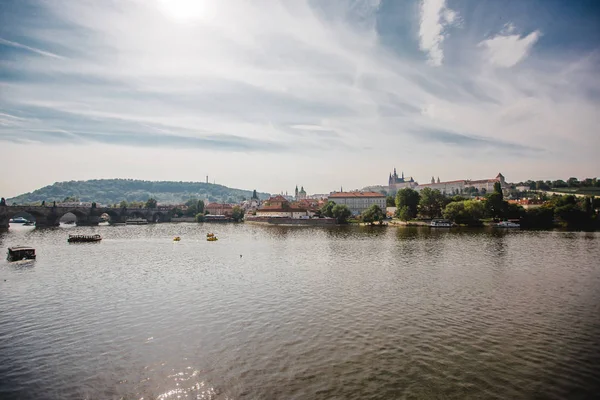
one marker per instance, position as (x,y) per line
(185,10)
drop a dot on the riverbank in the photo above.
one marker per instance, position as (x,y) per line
(290,221)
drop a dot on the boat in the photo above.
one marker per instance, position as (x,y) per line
(210,235)
(18,253)
(29,223)
(84,238)
(18,220)
(136,221)
(212,239)
(176,239)
(440,223)
(507,224)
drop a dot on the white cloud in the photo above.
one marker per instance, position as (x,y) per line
(435,18)
(506,50)
(32,49)
(315,88)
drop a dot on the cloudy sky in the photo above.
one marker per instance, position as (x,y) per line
(270,94)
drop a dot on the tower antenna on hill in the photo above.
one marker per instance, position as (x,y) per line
(206,178)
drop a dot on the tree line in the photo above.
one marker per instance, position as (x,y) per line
(568,211)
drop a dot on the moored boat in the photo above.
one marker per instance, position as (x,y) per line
(440,223)
(18,253)
(18,220)
(507,224)
(84,238)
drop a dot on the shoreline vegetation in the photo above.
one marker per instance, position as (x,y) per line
(559,211)
(546,205)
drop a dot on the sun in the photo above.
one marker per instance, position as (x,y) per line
(185,10)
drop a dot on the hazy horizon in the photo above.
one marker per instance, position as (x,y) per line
(272,94)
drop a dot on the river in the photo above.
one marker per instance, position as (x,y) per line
(300,313)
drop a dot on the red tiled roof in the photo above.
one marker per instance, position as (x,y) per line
(277,198)
(355,194)
(279,209)
(217,205)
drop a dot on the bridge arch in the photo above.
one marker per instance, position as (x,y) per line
(136,214)
(158,217)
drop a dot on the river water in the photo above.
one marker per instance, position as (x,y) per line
(300,313)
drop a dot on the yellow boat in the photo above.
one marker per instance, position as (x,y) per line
(212,239)
(210,235)
(176,239)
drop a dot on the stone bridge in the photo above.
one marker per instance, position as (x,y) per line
(51,215)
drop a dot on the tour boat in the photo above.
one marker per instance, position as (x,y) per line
(18,253)
(440,223)
(507,224)
(84,238)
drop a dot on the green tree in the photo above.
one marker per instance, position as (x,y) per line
(390,201)
(327,209)
(588,203)
(408,198)
(123,204)
(540,218)
(200,206)
(200,217)
(572,216)
(192,207)
(238,213)
(573,182)
(495,206)
(432,203)
(341,213)
(176,212)
(467,212)
(404,214)
(373,214)
(498,188)
(150,203)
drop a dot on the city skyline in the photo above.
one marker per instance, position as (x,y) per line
(320,95)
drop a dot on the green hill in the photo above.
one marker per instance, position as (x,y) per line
(110,191)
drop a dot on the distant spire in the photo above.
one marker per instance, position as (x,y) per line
(395,174)
(432,179)
(438,179)
(402,174)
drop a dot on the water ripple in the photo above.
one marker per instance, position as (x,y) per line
(322,313)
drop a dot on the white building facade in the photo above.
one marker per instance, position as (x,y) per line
(358,202)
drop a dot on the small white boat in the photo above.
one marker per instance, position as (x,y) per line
(507,224)
(441,223)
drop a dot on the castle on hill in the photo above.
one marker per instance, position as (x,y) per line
(396,182)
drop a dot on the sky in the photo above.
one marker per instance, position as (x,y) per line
(268,94)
